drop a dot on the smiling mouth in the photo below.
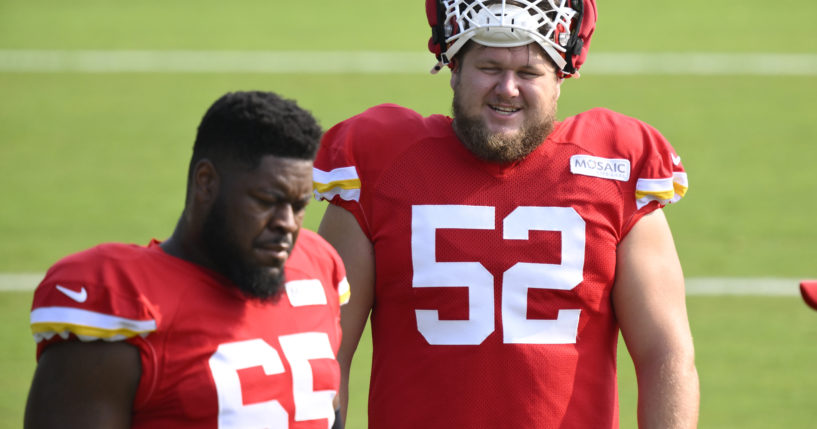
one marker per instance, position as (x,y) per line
(505,110)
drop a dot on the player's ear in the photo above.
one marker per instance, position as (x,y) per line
(206,181)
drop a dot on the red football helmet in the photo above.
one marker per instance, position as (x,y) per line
(808,288)
(561,27)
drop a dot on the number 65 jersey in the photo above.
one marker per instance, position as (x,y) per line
(493,281)
(210,357)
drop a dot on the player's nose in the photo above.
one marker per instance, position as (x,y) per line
(507,84)
(284,218)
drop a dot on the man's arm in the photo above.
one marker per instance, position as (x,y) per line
(84,385)
(340,228)
(649,300)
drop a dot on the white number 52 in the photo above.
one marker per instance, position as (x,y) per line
(517,328)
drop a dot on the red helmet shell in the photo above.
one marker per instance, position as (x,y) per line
(808,289)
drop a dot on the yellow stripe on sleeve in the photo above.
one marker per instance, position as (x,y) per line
(344,291)
(341,181)
(339,184)
(665,191)
(87,325)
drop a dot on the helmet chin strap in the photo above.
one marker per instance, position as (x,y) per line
(555,56)
(453,49)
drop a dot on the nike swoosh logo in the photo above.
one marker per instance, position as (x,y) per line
(80,296)
(675,159)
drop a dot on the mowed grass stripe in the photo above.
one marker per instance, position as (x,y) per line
(378,62)
(695,285)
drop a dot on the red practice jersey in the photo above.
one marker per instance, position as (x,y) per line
(211,358)
(493,281)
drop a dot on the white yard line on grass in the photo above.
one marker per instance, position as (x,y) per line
(695,285)
(742,286)
(373,62)
(19,282)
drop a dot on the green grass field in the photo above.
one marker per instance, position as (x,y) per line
(92,157)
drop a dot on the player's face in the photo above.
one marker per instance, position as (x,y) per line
(504,100)
(254,222)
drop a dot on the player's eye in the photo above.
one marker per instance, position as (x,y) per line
(298,206)
(529,74)
(265,201)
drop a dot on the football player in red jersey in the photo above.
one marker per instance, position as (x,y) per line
(500,252)
(232,322)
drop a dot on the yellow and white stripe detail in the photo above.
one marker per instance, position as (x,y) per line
(344,291)
(665,191)
(46,322)
(341,181)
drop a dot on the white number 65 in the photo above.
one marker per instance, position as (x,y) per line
(298,350)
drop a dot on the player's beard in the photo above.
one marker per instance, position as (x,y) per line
(500,147)
(252,280)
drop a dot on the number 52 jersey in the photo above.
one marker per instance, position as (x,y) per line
(210,356)
(493,281)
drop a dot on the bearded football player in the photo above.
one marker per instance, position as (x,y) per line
(500,251)
(232,322)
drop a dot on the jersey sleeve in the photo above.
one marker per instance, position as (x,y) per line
(335,174)
(651,171)
(89,297)
(662,177)
(344,292)
(355,153)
